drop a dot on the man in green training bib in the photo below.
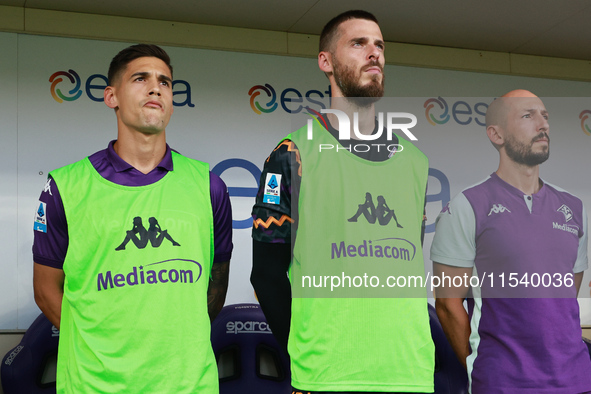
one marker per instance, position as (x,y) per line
(341,213)
(134,317)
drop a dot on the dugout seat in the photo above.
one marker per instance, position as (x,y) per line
(30,367)
(450,375)
(248,356)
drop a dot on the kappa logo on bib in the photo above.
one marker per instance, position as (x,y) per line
(382,213)
(396,248)
(140,236)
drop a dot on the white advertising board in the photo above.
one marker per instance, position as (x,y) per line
(216,120)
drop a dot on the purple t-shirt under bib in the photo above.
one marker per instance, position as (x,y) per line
(50,247)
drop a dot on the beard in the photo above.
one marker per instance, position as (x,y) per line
(522,153)
(348,82)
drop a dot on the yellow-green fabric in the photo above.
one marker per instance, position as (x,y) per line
(134,314)
(359,337)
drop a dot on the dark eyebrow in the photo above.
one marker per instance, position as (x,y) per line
(365,40)
(145,74)
(142,74)
(359,39)
(166,78)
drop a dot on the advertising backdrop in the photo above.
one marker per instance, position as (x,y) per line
(231,109)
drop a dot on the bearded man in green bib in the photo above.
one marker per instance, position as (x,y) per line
(134,317)
(315,219)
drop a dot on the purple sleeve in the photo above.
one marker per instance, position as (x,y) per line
(50,246)
(222,219)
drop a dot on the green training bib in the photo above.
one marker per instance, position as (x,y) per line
(134,312)
(359,224)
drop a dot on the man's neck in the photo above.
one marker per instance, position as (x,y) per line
(520,176)
(365,116)
(143,151)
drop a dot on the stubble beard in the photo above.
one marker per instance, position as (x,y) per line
(361,95)
(522,153)
(152,123)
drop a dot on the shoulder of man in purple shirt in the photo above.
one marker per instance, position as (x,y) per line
(50,248)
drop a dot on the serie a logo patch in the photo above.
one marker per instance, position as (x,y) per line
(40,223)
(272,193)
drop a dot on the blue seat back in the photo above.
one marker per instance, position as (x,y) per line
(30,366)
(248,356)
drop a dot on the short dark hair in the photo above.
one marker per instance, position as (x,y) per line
(329,33)
(127,55)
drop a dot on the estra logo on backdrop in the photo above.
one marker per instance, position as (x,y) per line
(67,86)
(584,126)
(438,112)
(263,99)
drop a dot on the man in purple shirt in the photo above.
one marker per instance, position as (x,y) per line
(526,242)
(50,246)
(140,92)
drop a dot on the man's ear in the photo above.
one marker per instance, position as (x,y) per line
(110,97)
(495,135)
(325,61)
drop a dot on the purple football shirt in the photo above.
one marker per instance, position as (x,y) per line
(50,247)
(519,344)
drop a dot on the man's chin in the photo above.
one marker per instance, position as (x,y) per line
(364,102)
(152,129)
(374,89)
